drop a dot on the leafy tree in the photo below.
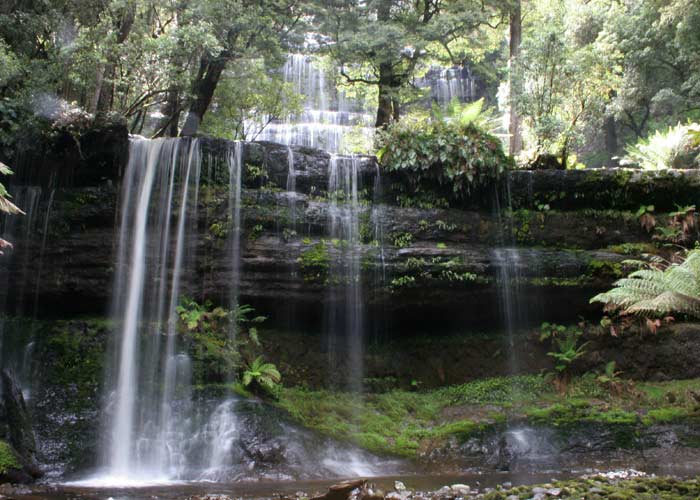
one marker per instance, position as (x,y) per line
(451,155)
(566,70)
(660,82)
(411,33)
(246,99)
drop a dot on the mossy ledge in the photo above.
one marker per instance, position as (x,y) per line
(416,424)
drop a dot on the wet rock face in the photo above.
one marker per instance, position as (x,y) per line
(416,263)
(521,449)
(432,259)
(16,430)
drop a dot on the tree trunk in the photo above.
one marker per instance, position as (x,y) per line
(104,93)
(516,34)
(610,136)
(610,128)
(203,91)
(388,108)
(167,126)
(384,103)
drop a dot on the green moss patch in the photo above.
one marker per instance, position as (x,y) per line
(642,488)
(8,458)
(403,423)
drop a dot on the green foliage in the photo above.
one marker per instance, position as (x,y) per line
(566,341)
(638,488)
(6,206)
(259,374)
(677,147)
(402,422)
(77,349)
(563,76)
(403,282)
(657,290)
(402,240)
(248,95)
(315,262)
(8,458)
(449,156)
(218,339)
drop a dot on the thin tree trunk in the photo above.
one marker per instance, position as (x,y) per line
(610,128)
(167,126)
(610,136)
(388,109)
(203,91)
(516,34)
(104,92)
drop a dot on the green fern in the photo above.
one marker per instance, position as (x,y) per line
(658,291)
(263,374)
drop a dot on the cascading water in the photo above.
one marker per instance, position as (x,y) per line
(234,159)
(508,267)
(19,229)
(345,318)
(146,423)
(447,84)
(328,117)
(333,121)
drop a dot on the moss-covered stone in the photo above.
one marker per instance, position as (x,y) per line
(8,458)
(410,423)
(601,487)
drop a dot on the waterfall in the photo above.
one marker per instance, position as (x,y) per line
(19,229)
(446,84)
(346,309)
(291,187)
(235,166)
(508,276)
(220,434)
(328,116)
(146,426)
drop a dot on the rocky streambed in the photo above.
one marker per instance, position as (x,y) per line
(618,484)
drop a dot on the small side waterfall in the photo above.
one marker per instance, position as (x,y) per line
(221,433)
(17,353)
(235,169)
(346,317)
(508,275)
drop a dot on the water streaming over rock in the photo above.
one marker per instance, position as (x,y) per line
(159,428)
(346,314)
(339,123)
(161,184)
(234,160)
(446,84)
(20,229)
(508,266)
(328,117)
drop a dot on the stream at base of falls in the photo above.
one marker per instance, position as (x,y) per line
(420,485)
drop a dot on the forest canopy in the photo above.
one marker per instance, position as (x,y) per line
(571,79)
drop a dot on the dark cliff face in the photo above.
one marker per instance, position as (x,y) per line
(419,266)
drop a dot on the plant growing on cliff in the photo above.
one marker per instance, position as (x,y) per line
(452,155)
(565,340)
(6,206)
(658,289)
(261,375)
(217,338)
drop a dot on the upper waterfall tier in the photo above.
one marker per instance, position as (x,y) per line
(338,122)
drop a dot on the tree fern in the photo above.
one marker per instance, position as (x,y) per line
(656,291)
